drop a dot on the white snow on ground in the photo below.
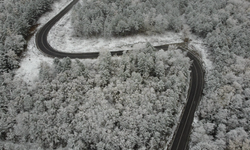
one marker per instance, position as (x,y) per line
(61,38)
(198,45)
(57,7)
(30,64)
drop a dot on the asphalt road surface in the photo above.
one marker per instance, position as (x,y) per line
(43,45)
(181,138)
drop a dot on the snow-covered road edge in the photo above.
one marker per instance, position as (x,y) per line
(30,64)
(61,38)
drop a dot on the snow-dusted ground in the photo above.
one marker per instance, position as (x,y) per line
(30,64)
(198,45)
(60,37)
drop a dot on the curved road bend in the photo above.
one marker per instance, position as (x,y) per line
(43,45)
(181,137)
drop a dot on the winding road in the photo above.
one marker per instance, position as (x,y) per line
(181,137)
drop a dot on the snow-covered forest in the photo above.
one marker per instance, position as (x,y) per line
(120,18)
(132,101)
(16,19)
(223,115)
(224,111)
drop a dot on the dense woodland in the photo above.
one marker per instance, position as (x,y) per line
(16,19)
(223,114)
(74,99)
(130,102)
(120,18)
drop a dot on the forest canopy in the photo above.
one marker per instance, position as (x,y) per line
(56,112)
(16,18)
(128,17)
(132,102)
